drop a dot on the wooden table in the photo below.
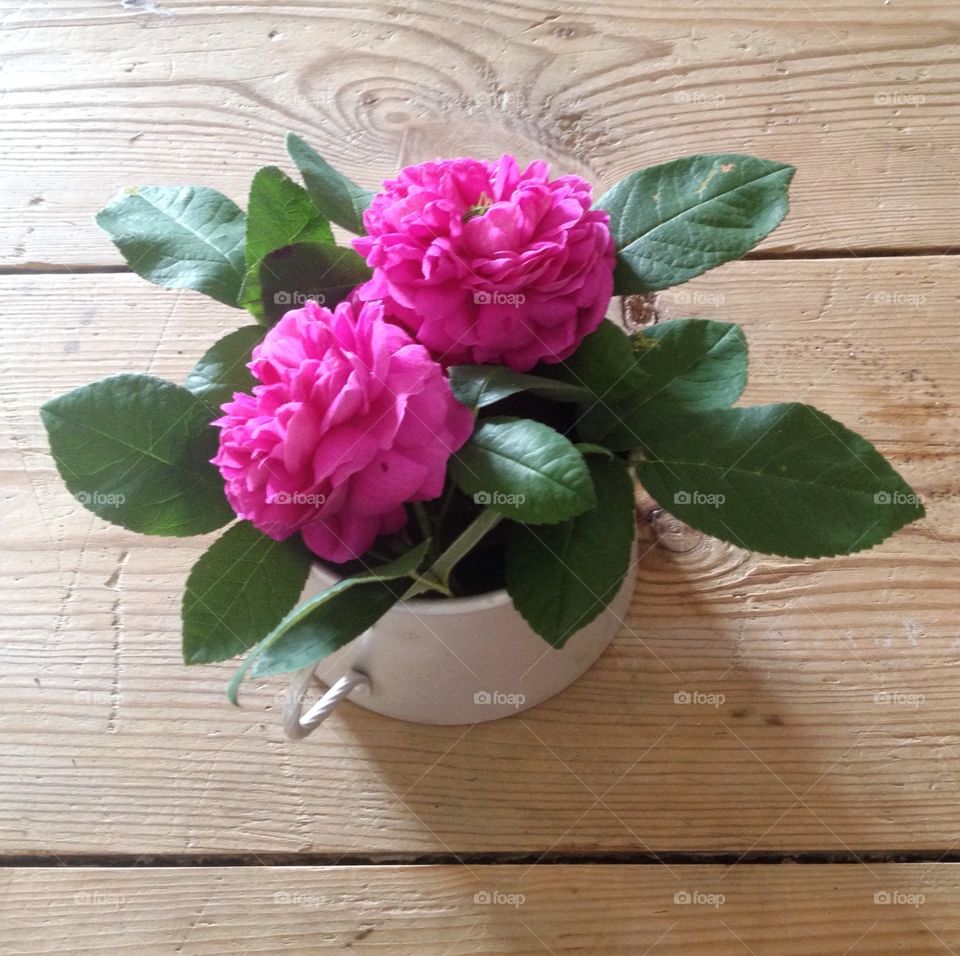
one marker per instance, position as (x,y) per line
(815,810)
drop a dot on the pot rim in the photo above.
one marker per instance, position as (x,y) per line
(430,607)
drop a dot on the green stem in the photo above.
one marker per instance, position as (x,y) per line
(444,508)
(423,520)
(439,572)
(426,583)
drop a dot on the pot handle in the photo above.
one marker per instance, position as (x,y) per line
(296,724)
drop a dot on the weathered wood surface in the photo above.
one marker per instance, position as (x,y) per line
(837,728)
(824,696)
(860,95)
(484,910)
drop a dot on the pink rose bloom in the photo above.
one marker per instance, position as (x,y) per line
(486,263)
(352,419)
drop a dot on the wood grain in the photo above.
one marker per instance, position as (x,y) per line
(861,96)
(409,911)
(834,721)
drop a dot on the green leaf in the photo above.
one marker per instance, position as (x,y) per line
(672,222)
(562,576)
(329,620)
(136,451)
(481,385)
(238,591)
(588,448)
(689,365)
(692,364)
(524,470)
(348,609)
(338,198)
(780,479)
(279,213)
(308,270)
(604,363)
(180,237)
(223,368)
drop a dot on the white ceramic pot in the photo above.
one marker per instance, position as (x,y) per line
(449,661)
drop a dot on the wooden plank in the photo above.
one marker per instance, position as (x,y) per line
(516,910)
(837,728)
(860,96)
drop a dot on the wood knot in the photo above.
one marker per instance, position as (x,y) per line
(640,310)
(668,532)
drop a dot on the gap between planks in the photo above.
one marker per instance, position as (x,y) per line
(612,858)
(793,255)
